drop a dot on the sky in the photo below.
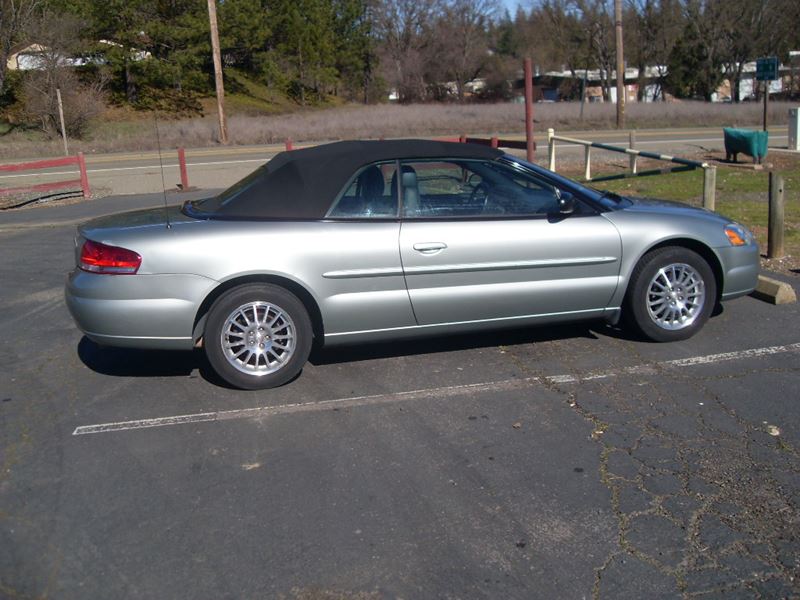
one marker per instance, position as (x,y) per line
(511,5)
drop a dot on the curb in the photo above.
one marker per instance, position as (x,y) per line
(774,291)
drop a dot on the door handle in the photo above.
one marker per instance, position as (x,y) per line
(429,247)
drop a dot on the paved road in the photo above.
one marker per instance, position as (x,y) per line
(138,173)
(568,462)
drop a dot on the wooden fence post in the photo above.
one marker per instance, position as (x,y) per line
(775,228)
(587,174)
(84,176)
(184,173)
(709,187)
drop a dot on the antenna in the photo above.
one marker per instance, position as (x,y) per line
(161,163)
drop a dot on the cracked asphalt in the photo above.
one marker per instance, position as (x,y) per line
(559,462)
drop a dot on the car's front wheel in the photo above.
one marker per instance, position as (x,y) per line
(257,336)
(671,294)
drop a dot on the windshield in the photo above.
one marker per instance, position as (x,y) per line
(605,199)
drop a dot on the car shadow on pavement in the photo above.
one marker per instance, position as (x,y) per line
(133,362)
(465,341)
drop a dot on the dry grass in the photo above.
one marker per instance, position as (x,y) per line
(356,121)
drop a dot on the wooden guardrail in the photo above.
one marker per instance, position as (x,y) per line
(494,142)
(82,181)
(709,171)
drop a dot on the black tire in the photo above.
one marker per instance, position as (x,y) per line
(654,316)
(264,368)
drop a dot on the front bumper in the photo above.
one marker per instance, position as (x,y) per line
(740,268)
(136,311)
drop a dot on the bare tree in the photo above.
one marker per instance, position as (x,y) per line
(652,28)
(556,37)
(81,102)
(596,17)
(404,28)
(576,34)
(748,30)
(463,41)
(16,17)
(58,35)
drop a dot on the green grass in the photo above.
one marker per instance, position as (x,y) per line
(248,96)
(742,195)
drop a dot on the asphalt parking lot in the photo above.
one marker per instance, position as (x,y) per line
(560,462)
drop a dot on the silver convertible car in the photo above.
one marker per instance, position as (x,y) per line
(375,240)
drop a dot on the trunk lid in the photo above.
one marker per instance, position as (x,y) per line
(147,218)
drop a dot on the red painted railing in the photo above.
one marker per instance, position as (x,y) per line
(82,181)
(494,142)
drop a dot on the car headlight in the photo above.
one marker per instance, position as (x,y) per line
(739,235)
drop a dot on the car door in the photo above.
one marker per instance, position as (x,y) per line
(481,240)
(361,287)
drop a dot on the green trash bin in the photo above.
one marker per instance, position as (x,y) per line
(752,143)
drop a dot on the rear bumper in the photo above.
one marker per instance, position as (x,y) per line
(136,311)
(740,266)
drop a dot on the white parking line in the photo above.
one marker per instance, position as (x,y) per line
(438,392)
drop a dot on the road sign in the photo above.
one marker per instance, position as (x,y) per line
(767,68)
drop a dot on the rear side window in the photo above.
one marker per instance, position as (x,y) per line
(369,194)
(473,188)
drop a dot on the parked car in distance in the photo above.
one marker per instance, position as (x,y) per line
(377,240)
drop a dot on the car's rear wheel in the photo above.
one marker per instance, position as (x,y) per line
(257,336)
(671,294)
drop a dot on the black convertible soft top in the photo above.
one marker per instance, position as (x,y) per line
(302,184)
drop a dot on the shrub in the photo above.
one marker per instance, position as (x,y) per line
(81,101)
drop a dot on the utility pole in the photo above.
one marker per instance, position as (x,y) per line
(620,65)
(529,143)
(212,20)
(583,89)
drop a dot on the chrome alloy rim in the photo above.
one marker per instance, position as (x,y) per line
(258,338)
(675,296)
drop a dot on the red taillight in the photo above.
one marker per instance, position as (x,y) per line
(109,260)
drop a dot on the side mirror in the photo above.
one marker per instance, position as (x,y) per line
(566,203)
